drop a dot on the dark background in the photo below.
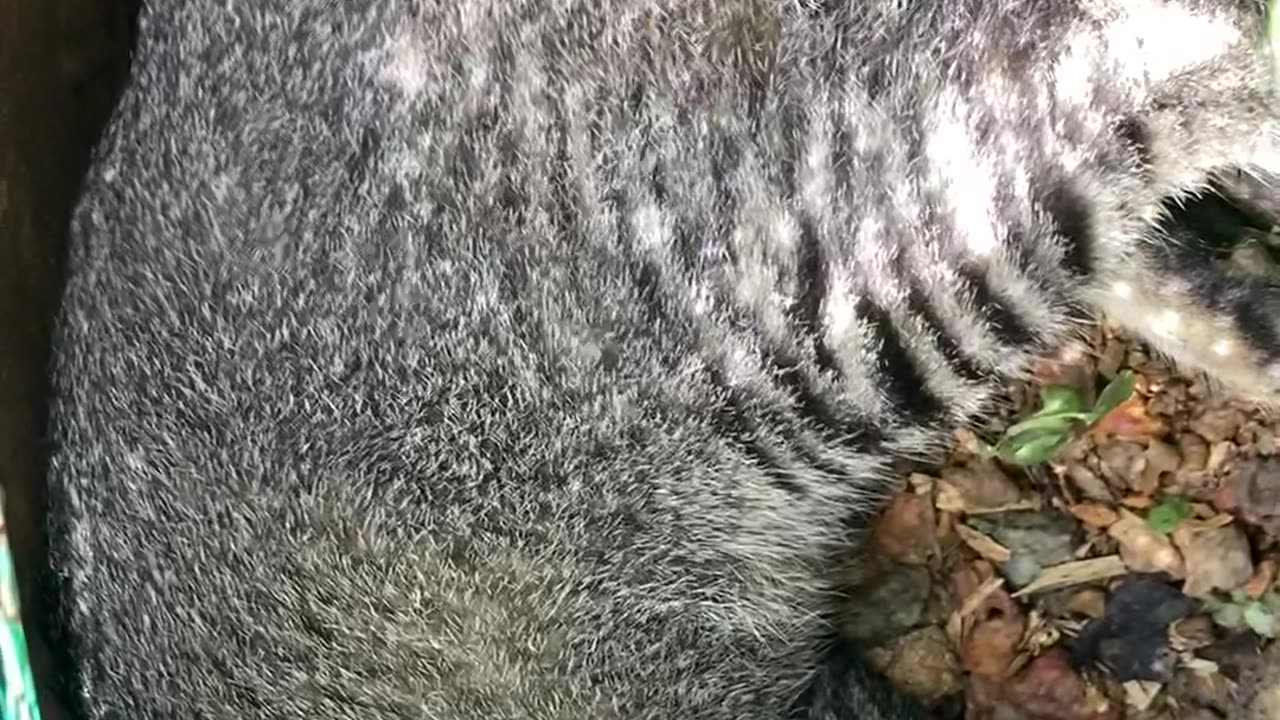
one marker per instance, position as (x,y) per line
(62,65)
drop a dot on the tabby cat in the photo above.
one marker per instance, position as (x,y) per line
(489,359)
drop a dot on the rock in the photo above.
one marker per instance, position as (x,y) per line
(889,605)
(921,664)
(1037,540)
(905,531)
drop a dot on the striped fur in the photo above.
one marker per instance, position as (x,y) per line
(534,359)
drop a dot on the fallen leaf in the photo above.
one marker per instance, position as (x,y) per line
(971,586)
(1161,458)
(983,544)
(1129,420)
(979,487)
(1194,451)
(1139,694)
(1138,502)
(1094,514)
(1214,559)
(1264,576)
(1090,602)
(1252,490)
(1089,484)
(1219,454)
(991,645)
(1143,549)
(1218,425)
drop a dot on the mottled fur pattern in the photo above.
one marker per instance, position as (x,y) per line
(535,359)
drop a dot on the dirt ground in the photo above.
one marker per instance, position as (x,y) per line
(61,64)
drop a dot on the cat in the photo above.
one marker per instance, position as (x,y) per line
(539,359)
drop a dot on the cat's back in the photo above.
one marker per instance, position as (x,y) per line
(373,396)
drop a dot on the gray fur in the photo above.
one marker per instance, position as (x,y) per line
(509,359)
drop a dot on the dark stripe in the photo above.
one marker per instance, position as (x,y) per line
(918,305)
(1074,225)
(814,282)
(995,311)
(817,409)
(1137,138)
(904,381)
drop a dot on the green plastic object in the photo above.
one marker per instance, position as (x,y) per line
(17,685)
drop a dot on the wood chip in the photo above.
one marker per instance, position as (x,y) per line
(1076,572)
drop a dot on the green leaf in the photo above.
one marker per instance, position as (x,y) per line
(1167,514)
(1228,615)
(1055,399)
(1114,394)
(1260,619)
(1034,447)
(1060,422)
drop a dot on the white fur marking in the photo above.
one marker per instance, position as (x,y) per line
(406,65)
(1166,323)
(969,185)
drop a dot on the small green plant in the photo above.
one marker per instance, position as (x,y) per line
(1236,611)
(1062,415)
(1167,514)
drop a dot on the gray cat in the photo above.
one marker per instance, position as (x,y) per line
(465,359)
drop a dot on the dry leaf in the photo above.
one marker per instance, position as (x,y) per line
(1090,602)
(1129,420)
(1138,502)
(1139,694)
(1094,514)
(1214,558)
(991,645)
(1264,576)
(1144,549)
(983,544)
